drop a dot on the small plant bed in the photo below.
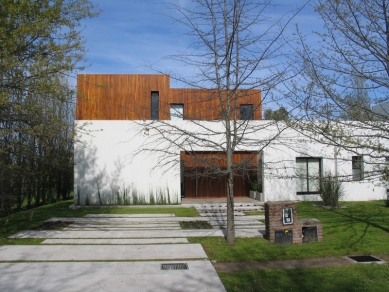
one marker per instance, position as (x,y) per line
(51,225)
(195,225)
(252,213)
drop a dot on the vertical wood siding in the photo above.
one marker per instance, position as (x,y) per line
(118,97)
(128,97)
(201,179)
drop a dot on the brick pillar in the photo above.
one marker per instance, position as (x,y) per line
(273,217)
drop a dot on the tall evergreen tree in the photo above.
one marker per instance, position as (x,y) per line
(40,45)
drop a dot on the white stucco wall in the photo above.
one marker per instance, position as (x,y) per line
(279,182)
(106,164)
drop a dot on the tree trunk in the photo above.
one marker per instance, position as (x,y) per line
(230,209)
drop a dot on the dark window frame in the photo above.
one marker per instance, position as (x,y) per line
(357,164)
(183,109)
(246,112)
(155,105)
(307,159)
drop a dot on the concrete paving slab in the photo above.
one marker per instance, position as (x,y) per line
(254,217)
(237,223)
(133,234)
(107,276)
(241,227)
(236,219)
(116,234)
(116,241)
(96,220)
(121,228)
(76,207)
(128,215)
(224,209)
(218,214)
(128,225)
(25,253)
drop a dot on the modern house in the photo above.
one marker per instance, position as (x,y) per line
(140,140)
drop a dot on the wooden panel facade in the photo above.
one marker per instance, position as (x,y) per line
(128,97)
(118,96)
(205,104)
(201,179)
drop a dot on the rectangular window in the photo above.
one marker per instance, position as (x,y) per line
(308,172)
(176,112)
(357,167)
(246,112)
(154,105)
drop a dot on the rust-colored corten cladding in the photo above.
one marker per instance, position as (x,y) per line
(128,97)
(203,177)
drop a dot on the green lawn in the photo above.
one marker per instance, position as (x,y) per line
(360,229)
(350,278)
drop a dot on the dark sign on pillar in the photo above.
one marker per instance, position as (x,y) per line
(284,236)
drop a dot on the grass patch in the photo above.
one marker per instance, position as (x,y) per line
(195,225)
(57,225)
(370,278)
(31,218)
(360,229)
(254,213)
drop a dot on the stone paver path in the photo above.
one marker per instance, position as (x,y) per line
(14,253)
(132,248)
(107,276)
(123,242)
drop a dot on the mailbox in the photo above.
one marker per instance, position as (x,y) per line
(287,216)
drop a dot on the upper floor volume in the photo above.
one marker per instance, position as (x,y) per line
(149,97)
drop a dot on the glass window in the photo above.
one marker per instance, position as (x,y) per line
(246,112)
(357,167)
(155,105)
(176,112)
(308,171)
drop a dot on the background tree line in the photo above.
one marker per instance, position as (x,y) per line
(40,46)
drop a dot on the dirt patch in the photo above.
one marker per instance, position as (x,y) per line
(195,225)
(52,225)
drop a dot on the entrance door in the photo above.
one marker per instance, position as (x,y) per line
(200,182)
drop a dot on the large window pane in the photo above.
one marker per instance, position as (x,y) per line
(308,172)
(176,112)
(357,167)
(155,105)
(313,174)
(301,169)
(246,112)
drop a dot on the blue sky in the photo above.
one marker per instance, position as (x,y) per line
(129,34)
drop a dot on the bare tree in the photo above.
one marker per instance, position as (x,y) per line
(348,68)
(237,51)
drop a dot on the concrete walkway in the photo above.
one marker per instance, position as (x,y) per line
(132,248)
(26,253)
(107,276)
(135,233)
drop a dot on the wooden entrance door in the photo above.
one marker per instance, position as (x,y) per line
(200,182)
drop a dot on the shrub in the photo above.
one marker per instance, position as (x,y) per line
(331,190)
(256,186)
